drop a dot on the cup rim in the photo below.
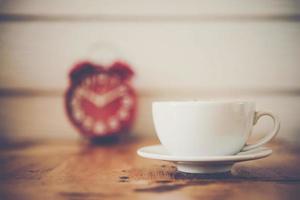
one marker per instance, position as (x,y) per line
(202,102)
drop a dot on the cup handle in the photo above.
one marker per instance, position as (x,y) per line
(269,136)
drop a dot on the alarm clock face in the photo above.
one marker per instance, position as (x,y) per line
(101,104)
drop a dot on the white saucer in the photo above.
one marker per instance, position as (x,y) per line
(207,164)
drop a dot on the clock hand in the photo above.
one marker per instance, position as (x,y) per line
(90,96)
(110,96)
(102,100)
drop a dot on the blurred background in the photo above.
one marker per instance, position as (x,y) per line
(179,49)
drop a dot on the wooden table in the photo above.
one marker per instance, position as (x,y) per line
(112,170)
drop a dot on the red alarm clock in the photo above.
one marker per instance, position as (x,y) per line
(100,101)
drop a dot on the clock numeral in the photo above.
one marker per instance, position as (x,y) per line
(101,79)
(122,89)
(75,103)
(114,81)
(114,123)
(127,101)
(99,128)
(79,92)
(78,115)
(88,123)
(123,114)
(87,82)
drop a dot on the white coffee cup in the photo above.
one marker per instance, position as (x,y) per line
(208,128)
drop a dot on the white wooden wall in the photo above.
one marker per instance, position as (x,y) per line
(179,49)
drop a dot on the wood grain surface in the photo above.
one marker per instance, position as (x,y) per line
(112,170)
